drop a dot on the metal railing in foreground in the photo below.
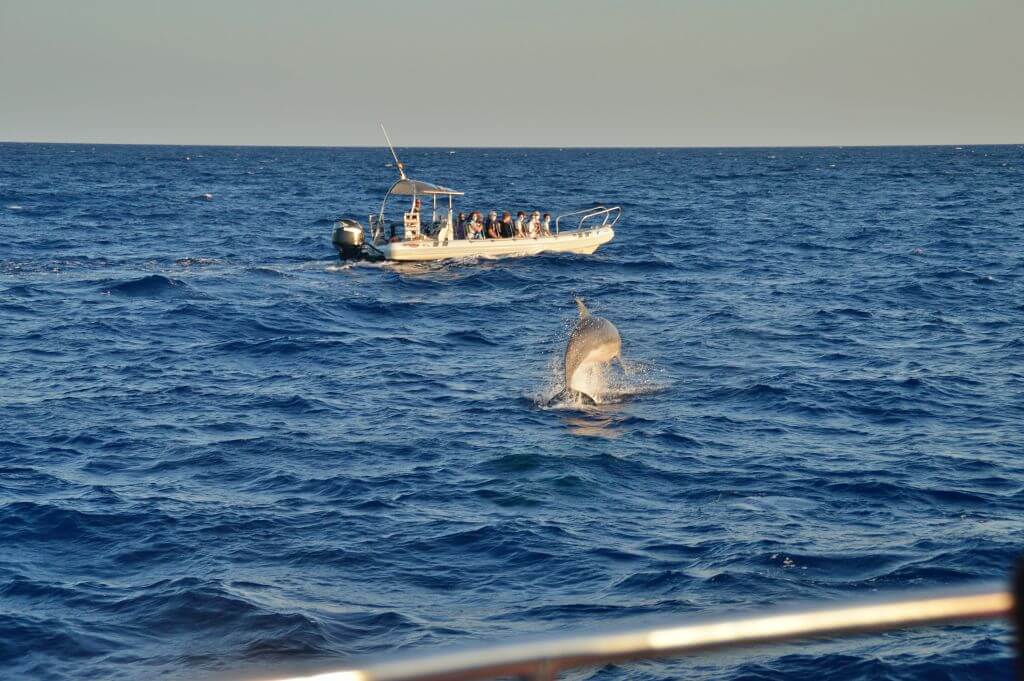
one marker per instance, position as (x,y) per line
(543,659)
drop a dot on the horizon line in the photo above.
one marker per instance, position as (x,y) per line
(529,146)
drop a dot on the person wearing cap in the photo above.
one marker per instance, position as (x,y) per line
(507,229)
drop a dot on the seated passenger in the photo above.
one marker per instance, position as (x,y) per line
(533,226)
(476,227)
(507,230)
(520,225)
(492,225)
(545,225)
(460,226)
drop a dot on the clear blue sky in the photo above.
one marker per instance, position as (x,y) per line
(479,72)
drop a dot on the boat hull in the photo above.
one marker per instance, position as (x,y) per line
(584,241)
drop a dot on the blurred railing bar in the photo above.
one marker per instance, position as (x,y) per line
(545,658)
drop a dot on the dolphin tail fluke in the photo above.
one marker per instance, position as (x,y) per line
(570,395)
(584,312)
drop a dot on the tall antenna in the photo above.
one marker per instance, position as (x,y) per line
(401,168)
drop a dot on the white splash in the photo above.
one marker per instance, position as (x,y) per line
(608,384)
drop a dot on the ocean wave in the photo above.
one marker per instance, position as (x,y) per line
(470,337)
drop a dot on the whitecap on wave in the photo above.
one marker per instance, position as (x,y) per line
(197,261)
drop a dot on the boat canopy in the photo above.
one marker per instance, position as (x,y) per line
(409,187)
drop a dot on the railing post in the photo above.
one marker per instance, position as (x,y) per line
(1017,616)
(545,671)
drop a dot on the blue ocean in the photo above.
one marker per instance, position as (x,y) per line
(225,454)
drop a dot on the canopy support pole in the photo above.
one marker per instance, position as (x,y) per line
(401,168)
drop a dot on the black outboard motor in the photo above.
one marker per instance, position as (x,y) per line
(348,238)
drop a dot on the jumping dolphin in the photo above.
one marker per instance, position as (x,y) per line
(594,340)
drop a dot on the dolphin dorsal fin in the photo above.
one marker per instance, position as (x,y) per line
(584,312)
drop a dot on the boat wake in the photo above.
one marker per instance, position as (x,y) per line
(347,265)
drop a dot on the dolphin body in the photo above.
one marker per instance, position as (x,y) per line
(594,340)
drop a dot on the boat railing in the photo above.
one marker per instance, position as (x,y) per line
(542,659)
(608,217)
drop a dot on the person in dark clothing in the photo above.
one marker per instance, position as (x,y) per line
(460,227)
(507,230)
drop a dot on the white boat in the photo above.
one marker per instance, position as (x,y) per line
(409,237)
